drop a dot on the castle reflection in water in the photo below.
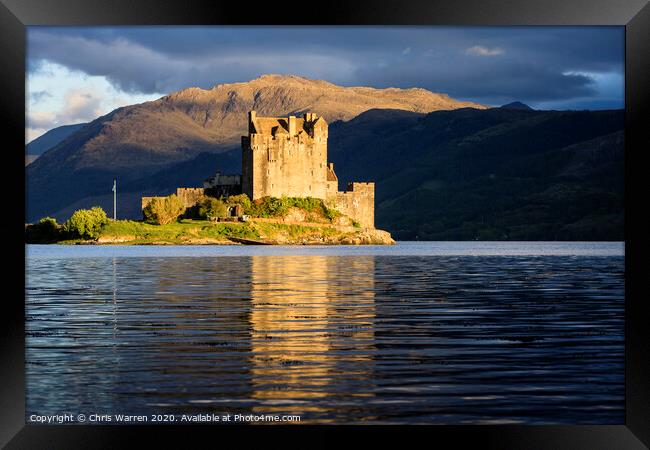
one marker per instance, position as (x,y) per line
(268,334)
(308,317)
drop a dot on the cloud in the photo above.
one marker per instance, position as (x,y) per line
(40,119)
(79,106)
(488,82)
(38,122)
(39,95)
(136,68)
(479,50)
(511,63)
(33,133)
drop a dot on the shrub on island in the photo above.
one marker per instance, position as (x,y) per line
(211,208)
(85,223)
(279,207)
(269,207)
(161,211)
(164,210)
(43,232)
(242,200)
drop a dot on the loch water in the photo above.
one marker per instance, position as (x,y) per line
(419,332)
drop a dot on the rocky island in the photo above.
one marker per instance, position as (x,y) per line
(283,223)
(286,194)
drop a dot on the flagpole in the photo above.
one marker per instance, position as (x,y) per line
(114,198)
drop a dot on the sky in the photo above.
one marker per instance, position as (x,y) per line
(76,74)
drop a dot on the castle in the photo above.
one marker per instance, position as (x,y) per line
(288,157)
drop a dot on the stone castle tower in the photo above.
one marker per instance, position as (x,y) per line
(288,157)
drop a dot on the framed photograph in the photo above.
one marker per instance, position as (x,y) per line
(297,218)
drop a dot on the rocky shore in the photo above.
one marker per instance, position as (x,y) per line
(253,232)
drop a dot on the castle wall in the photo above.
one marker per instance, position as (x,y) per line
(357,202)
(332,183)
(187,196)
(246,167)
(332,188)
(147,200)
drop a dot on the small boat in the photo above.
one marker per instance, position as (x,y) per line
(249,241)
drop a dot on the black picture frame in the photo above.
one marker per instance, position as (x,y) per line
(16,15)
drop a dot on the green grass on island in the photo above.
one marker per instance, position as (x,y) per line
(176,232)
(275,221)
(188,231)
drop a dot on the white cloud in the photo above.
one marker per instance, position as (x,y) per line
(71,97)
(479,50)
(40,119)
(38,122)
(406,51)
(33,133)
(81,105)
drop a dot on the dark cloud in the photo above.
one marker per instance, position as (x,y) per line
(492,65)
(493,79)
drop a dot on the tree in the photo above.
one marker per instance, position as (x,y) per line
(161,211)
(211,208)
(241,199)
(86,223)
(48,225)
(46,230)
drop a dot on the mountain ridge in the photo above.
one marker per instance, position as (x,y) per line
(516,105)
(139,140)
(497,174)
(49,139)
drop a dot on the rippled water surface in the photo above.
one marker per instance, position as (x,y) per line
(414,333)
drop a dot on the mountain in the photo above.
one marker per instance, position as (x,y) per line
(445,174)
(516,105)
(497,174)
(136,142)
(48,140)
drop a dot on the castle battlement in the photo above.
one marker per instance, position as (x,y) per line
(187,196)
(359,186)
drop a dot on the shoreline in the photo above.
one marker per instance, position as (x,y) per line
(255,232)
